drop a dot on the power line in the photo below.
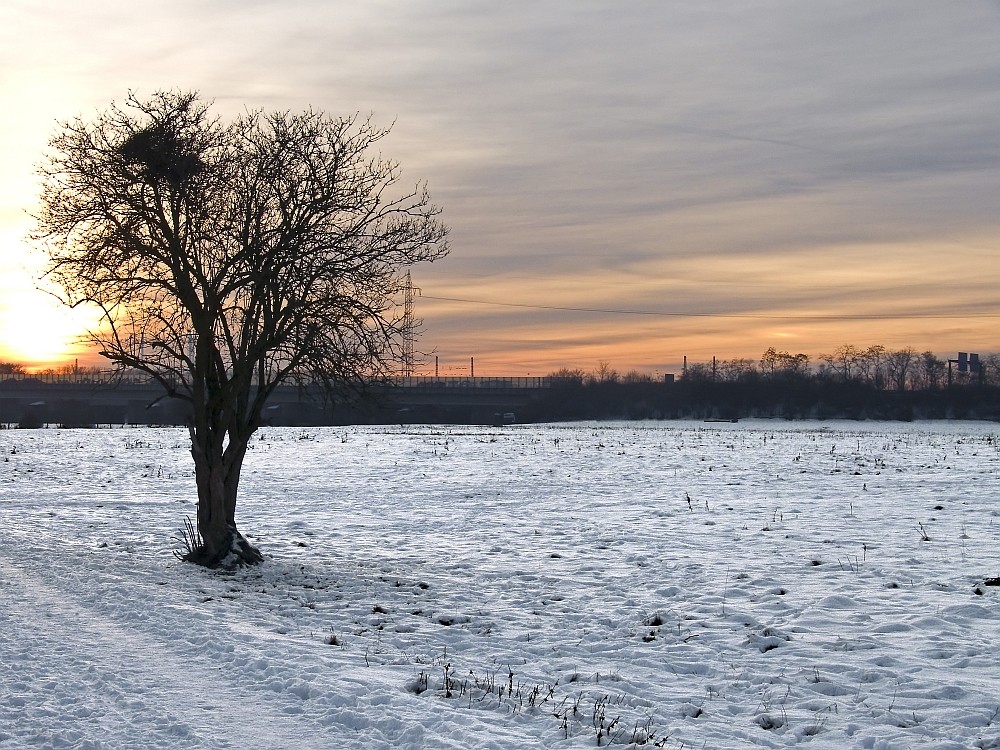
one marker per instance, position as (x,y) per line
(757,316)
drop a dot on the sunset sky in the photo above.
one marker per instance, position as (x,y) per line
(629,182)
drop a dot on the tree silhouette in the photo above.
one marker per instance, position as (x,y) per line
(228,258)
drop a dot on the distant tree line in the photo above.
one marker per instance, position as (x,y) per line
(886,369)
(876,366)
(850,383)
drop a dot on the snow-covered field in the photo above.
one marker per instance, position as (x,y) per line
(761,584)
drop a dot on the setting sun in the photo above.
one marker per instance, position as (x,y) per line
(36,330)
(37,333)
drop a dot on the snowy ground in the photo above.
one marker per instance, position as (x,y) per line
(761,584)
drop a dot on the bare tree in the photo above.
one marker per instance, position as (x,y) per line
(738,370)
(870,365)
(901,364)
(774,363)
(230,258)
(699,372)
(604,373)
(844,361)
(568,376)
(769,361)
(990,369)
(932,370)
(11,368)
(633,377)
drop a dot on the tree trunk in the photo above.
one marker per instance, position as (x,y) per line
(217,475)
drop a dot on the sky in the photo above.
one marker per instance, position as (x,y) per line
(628,182)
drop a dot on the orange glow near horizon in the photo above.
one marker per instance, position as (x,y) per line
(39,334)
(725,307)
(703,306)
(36,330)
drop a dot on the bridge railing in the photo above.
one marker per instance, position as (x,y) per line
(414,381)
(63,378)
(509,383)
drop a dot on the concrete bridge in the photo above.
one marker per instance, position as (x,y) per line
(66,400)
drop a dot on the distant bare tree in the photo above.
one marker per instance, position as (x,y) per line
(11,368)
(230,258)
(605,373)
(795,364)
(900,365)
(699,372)
(736,370)
(932,370)
(634,376)
(869,365)
(990,364)
(769,361)
(844,361)
(774,363)
(567,376)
